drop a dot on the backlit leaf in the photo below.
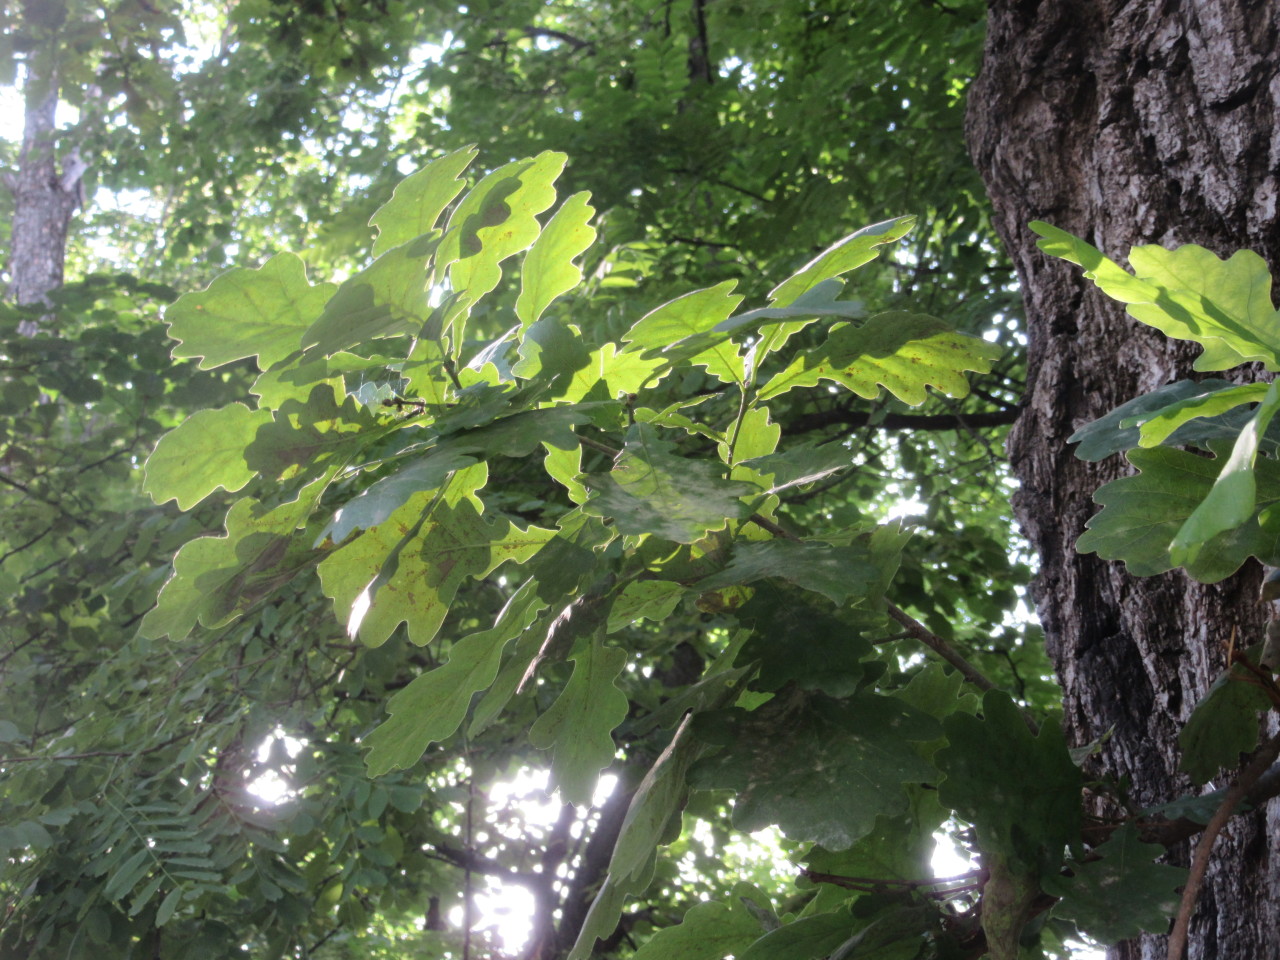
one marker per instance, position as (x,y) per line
(204,452)
(246,313)
(904,352)
(548,268)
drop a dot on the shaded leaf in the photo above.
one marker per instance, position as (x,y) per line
(688,316)
(1122,894)
(1123,428)
(388,298)
(1223,725)
(710,930)
(652,490)
(580,723)
(1020,791)
(216,579)
(1231,501)
(419,199)
(838,573)
(821,769)
(408,568)
(433,706)
(1142,514)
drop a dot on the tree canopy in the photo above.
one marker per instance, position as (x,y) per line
(548,445)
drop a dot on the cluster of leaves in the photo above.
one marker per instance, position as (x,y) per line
(1206,452)
(639,478)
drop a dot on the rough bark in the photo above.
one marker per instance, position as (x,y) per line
(1125,123)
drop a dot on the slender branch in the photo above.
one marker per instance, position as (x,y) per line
(1252,773)
(598,446)
(18,549)
(576,42)
(939,646)
(100,753)
(905,421)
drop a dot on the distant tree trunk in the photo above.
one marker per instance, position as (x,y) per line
(45,195)
(1131,122)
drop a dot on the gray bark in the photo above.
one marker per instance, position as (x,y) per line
(45,195)
(1125,123)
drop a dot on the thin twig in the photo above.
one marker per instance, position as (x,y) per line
(948,653)
(1262,760)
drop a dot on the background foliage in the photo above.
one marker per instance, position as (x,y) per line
(697,498)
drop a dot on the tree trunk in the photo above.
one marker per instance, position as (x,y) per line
(1125,123)
(45,197)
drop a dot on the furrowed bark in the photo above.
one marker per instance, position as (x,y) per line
(1126,123)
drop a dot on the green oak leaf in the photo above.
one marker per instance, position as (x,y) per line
(296,381)
(1120,429)
(899,847)
(303,436)
(1223,725)
(495,221)
(904,352)
(216,579)
(837,573)
(204,452)
(419,199)
(875,927)
(710,930)
(689,316)
(1188,294)
(388,298)
(551,350)
(514,436)
(408,568)
(1020,791)
(800,465)
(578,727)
(1157,428)
(652,818)
(1230,502)
(655,808)
(246,313)
(755,435)
(620,372)
(376,504)
(1022,794)
(548,269)
(842,256)
(1142,514)
(819,768)
(433,706)
(808,938)
(797,642)
(819,301)
(1123,893)
(644,600)
(652,490)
